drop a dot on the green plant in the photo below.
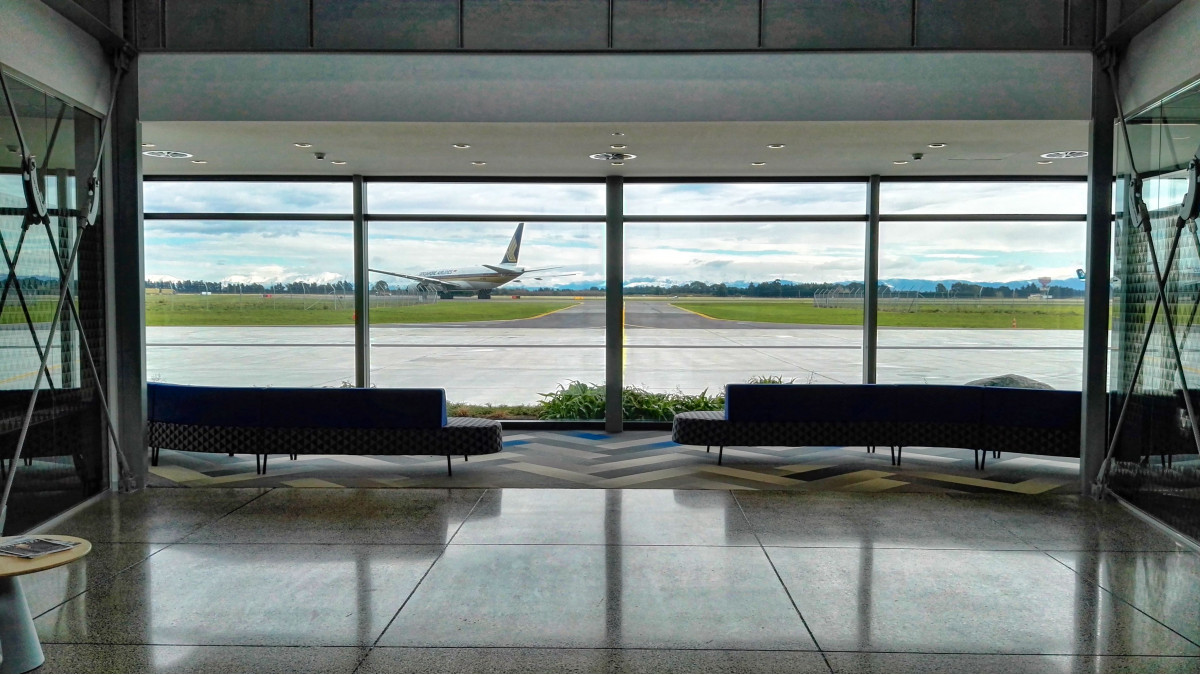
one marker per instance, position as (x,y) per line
(574,401)
(770,379)
(580,401)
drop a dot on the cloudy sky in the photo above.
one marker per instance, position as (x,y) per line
(273,251)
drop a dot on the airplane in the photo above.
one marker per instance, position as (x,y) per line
(480,280)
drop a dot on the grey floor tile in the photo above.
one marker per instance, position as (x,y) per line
(287,595)
(667,597)
(866,662)
(1008,602)
(344,515)
(500,660)
(877,521)
(635,517)
(1069,522)
(155,515)
(1164,585)
(45,590)
(93,658)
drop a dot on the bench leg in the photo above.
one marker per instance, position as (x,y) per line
(982,460)
(294,455)
(720,455)
(464,458)
(897,452)
(449,469)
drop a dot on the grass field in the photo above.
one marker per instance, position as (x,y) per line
(286,310)
(1059,315)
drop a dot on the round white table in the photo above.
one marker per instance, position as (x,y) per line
(20,649)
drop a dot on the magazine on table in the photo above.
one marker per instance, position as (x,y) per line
(34,547)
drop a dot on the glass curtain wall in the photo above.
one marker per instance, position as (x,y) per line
(492,291)
(1156,463)
(62,460)
(981,280)
(249,283)
(768,290)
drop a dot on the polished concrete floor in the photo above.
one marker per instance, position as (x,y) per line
(545,580)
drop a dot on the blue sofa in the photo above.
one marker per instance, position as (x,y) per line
(995,419)
(295,421)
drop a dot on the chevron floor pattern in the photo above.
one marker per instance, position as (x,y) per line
(637,459)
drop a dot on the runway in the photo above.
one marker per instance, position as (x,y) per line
(666,349)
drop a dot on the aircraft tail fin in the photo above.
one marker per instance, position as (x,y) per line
(514,247)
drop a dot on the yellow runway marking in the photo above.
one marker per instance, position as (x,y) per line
(550,312)
(31,373)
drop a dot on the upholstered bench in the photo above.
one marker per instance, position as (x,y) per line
(983,419)
(295,421)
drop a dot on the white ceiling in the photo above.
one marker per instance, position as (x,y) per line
(685,115)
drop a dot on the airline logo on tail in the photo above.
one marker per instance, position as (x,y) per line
(514,247)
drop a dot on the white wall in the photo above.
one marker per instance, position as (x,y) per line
(38,42)
(1162,58)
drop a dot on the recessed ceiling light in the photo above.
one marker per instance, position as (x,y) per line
(900,161)
(613,156)
(199,161)
(302,145)
(479,163)
(148,145)
(1065,154)
(617,146)
(758,163)
(937,145)
(1045,161)
(334,161)
(167,154)
(618,163)
(462,146)
(776,146)
(1180,138)
(617,133)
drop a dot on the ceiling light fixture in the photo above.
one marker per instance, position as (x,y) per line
(462,146)
(617,133)
(776,146)
(617,146)
(148,145)
(1045,161)
(613,156)
(758,163)
(167,154)
(334,161)
(302,145)
(618,163)
(479,163)
(900,161)
(1065,154)
(937,145)
(199,161)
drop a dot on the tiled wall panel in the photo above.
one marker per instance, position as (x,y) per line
(385,24)
(837,24)
(535,24)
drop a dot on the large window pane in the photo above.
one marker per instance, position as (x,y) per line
(247,197)
(571,199)
(983,197)
(708,304)
(448,324)
(969,300)
(771,199)
(249,303)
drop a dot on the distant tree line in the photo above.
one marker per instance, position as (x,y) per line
(293,287)
(768,289)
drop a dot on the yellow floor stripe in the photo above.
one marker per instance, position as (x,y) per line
(802,468)
(847,479)
(551,472)
(640,461)
(179,474)
(1029,487)
(752,475)
(874,485)
(647,477)
(310,483)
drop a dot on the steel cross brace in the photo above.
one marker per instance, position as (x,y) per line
(37,212)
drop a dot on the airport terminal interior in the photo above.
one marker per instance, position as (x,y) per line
(237,232)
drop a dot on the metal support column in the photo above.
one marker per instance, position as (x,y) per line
(1094,432)
(126,324)
(614,303)
(362,289)
(871,283)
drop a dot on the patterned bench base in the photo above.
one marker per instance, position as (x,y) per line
(710,428)
(461,436)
